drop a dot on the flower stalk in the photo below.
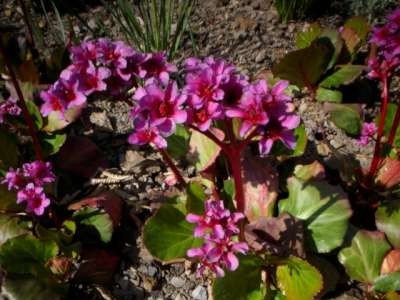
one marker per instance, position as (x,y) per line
(21,102)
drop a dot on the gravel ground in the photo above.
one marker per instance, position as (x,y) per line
(245,32)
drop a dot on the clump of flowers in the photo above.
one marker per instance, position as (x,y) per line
(102,66)
(367,133)
(9,107)
(28,182)
(219,230)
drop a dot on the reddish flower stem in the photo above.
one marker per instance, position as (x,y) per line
(21,102)
(172,166)
(234,158)
(395,125)
(377,152)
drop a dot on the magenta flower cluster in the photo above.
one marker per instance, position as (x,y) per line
(367,133)
(213,91)
(387,38)
(28,182)
(9,107)
(218,228)
(101,66)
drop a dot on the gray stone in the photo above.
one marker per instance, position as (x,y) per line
(261,56)
(199,293)
(177,282)
(152,271)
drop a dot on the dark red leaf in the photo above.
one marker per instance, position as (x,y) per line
(81,157)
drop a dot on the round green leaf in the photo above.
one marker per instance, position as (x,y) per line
(346,118)
(345,75)
(26,254)
(195,197)
(305,67)
(387,218)
(327,95)
(11,227)
(94,218)
(305,38)
(388,282)
(52,142)
(363,259)
(298,280)
(35,113)
(178,143)
(167,235)
(241,284)
(324,209)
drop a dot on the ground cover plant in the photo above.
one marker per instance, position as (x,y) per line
(258,219)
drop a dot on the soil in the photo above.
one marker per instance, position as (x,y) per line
(249,34)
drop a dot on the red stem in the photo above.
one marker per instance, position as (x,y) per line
(377,152)
(21,102)
(234,158)
(172,166)
(395,125)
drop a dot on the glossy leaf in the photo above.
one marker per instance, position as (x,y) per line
(324,208)
(336,41)
(345,75)
(363,259)
(11,227)
(260,185)
(195,198)
(52,143)
(388,283)
(387,218)
(203,151)
(31,288)
(85,161)
(279,149)
(305,38)
(346,118)
(96,220)
(167,235)
(178,143)
(233,285)
(25,254)
(305,67)
(327,95)
(35,113)
(315,170)
(298,280)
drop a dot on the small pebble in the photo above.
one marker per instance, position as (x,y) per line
(177,282)
(199,293)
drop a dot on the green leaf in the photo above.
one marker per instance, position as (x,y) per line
(54,122)
(363,259)
(95,219)
(195,198)
(315,170)
(11,227)
(52,143)
(30,288)
(279,149)
(298,280)
(387,218)
(242,284)
(359,25)
(305,67)
(346,118)
(167,235)
(305,38)
(203,151)
(178,143)
(8,200)
(8,151)
(35,113)
(324,208)
(345,75)
(388,282)
(26,254)
(327,95)
(337,42)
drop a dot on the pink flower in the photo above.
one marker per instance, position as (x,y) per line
(39,172)
(202,117)
(52,103)
(147,135)
(162,108)
(367,133)
(251,112)
(156,66)
(218,227)
(34,197)
(14,179)
(9,107)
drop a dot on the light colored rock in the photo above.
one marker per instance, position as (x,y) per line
(199,293)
